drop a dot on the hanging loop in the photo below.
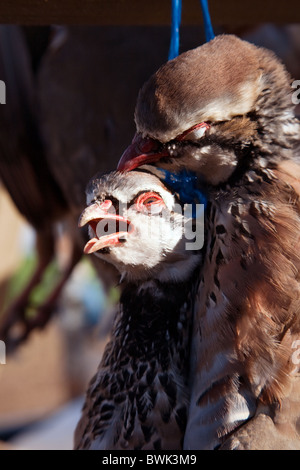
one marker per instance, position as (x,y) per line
(175,26)
(176,20)
(209,32)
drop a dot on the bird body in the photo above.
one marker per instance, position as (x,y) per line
(225,111)
(248,314)
(139,397)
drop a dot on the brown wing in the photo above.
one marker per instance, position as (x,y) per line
(248,318)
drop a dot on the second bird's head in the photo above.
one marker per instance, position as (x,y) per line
(139,225)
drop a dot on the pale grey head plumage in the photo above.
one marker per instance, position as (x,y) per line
(151,219)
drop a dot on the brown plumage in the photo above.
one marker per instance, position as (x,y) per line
(225,111)
(248,314)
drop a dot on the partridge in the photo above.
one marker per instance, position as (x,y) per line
(139,397)
(225,112)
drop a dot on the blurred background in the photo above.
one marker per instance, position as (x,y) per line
(70,97)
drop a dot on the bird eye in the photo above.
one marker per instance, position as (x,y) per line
(151,201)
(195,132)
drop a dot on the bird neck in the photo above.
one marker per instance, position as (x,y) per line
(139,397)
(153,320)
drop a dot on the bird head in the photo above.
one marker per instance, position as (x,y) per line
(208,108)
(137,224)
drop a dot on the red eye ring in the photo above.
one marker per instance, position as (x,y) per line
(148,200)
(202,125)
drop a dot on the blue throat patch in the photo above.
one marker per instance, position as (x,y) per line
(184,184)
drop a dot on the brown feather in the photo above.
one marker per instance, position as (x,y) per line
(253,318)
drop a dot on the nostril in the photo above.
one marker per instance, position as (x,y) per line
(105,205)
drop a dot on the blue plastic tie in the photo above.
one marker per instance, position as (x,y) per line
(176,19)
(209,32)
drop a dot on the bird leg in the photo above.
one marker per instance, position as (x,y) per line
(45,311)
(13,325)
(17,325)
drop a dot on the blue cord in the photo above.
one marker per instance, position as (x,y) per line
(176,19)
(209,32)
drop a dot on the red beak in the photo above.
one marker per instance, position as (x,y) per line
(141,151)
(97,213)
